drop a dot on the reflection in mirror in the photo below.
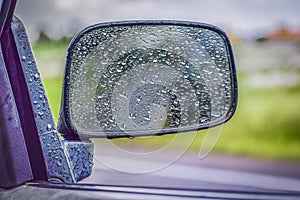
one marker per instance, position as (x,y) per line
(145,79)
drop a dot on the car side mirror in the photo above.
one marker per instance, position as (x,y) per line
(143,78)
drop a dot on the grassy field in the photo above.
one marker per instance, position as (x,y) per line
(266,124)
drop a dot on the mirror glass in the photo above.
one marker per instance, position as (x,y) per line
(138,79)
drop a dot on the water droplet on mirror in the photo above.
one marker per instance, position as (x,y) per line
(123,95)
(132,116)
(101,96)
(123,126)
(139,99)
(144,80)
(185,76)
(203,119)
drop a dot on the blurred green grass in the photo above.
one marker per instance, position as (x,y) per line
(265,125)
(53,87)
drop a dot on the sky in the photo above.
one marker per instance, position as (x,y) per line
(245,18)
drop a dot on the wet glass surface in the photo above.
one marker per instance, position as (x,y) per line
(148,79)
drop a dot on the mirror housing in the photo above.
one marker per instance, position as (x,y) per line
(141,78)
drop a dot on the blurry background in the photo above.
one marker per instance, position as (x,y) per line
(266,41)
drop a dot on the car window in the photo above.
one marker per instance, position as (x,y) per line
(260,138)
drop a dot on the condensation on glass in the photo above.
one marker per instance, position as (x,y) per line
(148,79)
